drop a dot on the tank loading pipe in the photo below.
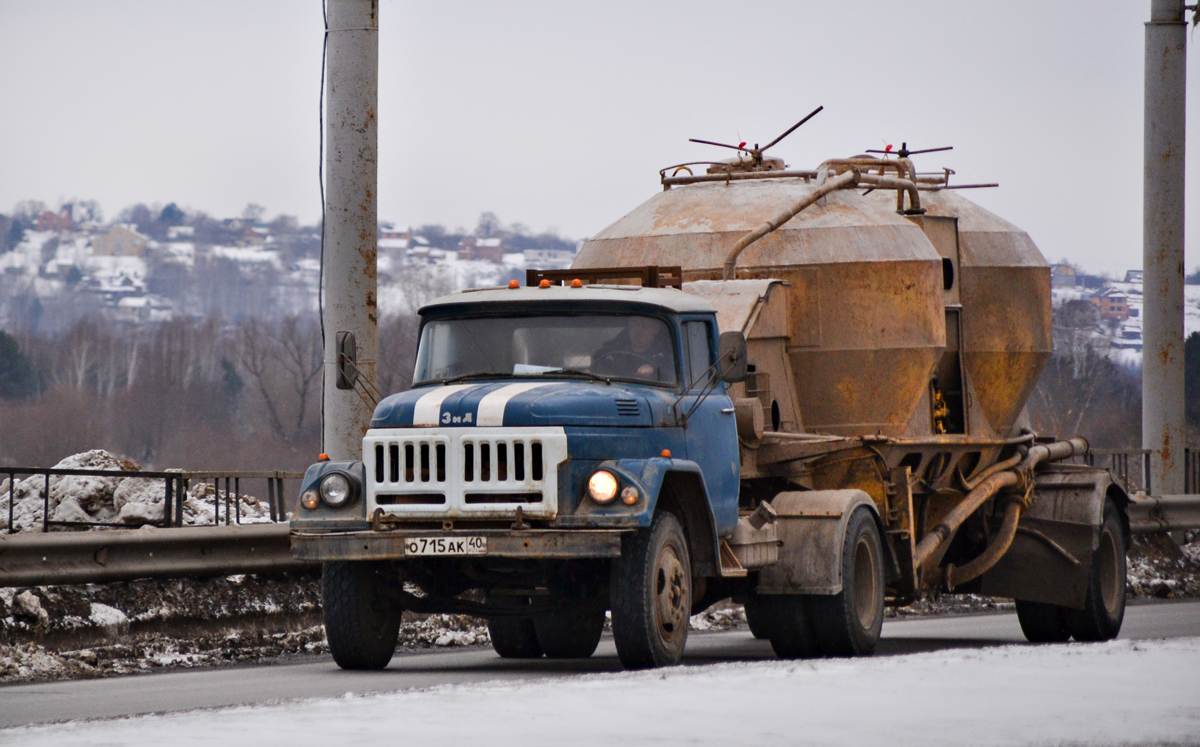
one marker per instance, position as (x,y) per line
(847,179)
(933,545)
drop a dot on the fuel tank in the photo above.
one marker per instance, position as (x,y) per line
(903,325)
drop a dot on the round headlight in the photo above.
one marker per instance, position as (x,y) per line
(602,487)
(335,490)
(310,500)
(629,495)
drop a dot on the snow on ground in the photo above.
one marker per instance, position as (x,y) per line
(1100,694)
(122,500)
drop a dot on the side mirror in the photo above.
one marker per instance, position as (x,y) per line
(731,347)
(347,360)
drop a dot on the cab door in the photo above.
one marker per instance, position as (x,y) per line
(711,428)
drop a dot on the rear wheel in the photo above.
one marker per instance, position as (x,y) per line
(849,623)
(362,616)
(514,638)
(651,595)
(787,624)
(756,618)
(1104,610)
(573,634)
(1043,623)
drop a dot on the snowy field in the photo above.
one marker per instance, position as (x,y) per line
(1126,692)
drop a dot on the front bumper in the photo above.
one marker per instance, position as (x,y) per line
(534,544)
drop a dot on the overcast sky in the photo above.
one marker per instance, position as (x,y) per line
(559,114)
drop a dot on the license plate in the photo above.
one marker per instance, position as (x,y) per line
(445,546)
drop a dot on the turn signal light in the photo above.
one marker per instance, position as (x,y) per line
(544,284)
(310,499)
(513,284)
(666,453)
(629,495)
(576,283)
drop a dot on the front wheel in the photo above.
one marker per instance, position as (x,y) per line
(362,616)
(651,595)
(1042,622)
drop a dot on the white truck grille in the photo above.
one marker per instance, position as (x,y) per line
(445,473)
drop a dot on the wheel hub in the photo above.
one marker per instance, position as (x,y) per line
(670,594)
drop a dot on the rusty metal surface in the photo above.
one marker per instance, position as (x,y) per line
(811,526)
(867,294)
(1163,513)
(531,543)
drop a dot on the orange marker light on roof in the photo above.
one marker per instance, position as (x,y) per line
(513,284)
(544,284)
(576,283)
(666,453)
(322,457)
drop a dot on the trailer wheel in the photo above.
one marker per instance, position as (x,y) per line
(362,620)
(1043,623)
(849,623)
(514,637)
(651,595)
(573,634)
(1104,610)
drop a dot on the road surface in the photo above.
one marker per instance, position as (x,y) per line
(319,677)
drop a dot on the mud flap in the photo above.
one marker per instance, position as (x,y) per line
(1051,556)
(812,527)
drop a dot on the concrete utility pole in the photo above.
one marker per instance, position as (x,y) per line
(351,142)
(1162,245)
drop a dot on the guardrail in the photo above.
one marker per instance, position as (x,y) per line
(176,487)
(57,551)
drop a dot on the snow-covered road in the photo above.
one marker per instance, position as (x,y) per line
(1138,690)
(1115,693)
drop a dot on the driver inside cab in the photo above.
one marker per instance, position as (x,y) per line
(641,351)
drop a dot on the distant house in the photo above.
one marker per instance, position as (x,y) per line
(1062,276)
(490,250)
(392,231)
(50,221)
(548,259)
(1133,276)
(1112,303)
(120,241)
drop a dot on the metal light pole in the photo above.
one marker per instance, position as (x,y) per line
(351,136)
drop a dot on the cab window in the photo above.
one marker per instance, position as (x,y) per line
(697,343)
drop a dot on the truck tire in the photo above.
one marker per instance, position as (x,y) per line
(651,595)
(786,623)
(362,620)
(849,623)
(572,634)
(514,637)
(1042,622)
(756,618)
(1104,610)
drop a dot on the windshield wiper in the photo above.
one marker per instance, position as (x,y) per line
(572,372)
(470,377)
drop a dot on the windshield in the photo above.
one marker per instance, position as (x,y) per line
(622,347)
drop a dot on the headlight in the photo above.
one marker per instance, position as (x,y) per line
(629,495)
(602,487)
(310,500)
(335,490)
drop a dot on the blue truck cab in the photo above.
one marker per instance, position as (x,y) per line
(564,450)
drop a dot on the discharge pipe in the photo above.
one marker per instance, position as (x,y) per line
(934,544)
(844,180)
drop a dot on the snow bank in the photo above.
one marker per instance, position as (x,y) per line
(115,500)
(1099,694)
